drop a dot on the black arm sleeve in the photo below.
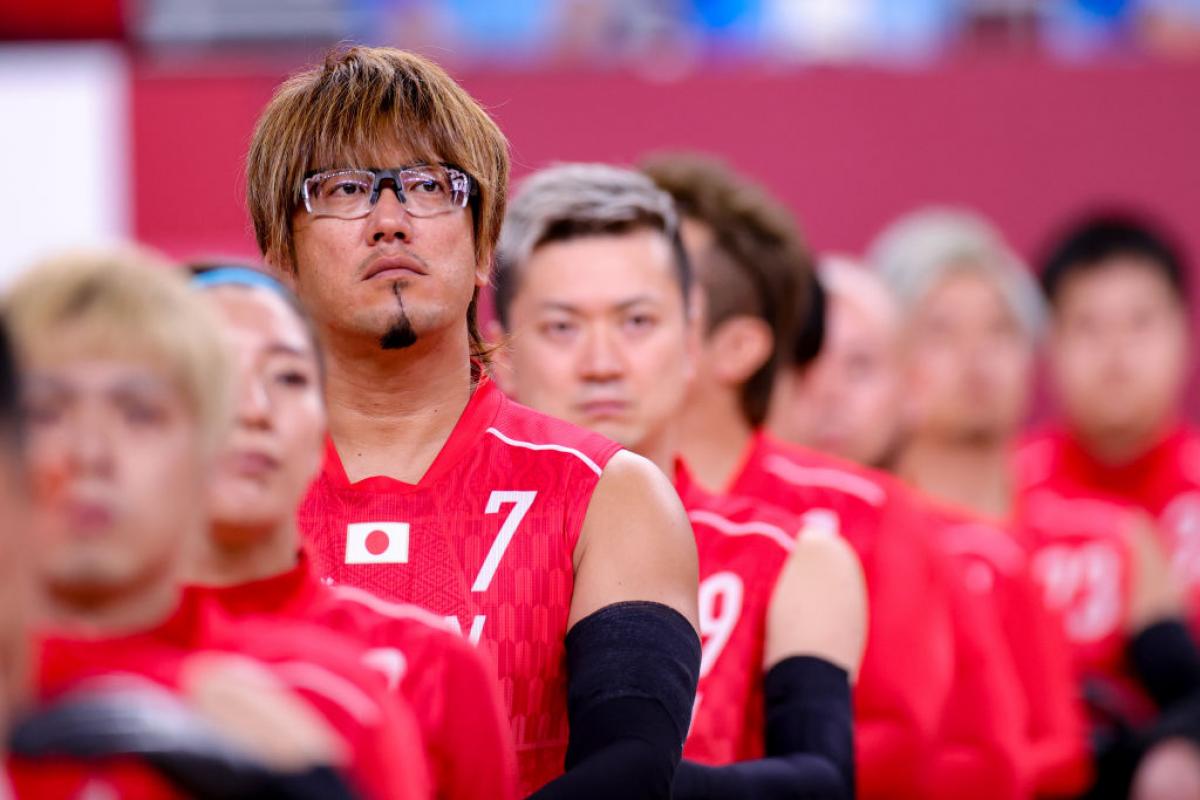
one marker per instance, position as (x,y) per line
(1165,659)
(154,727)
(632,670)
(809,741)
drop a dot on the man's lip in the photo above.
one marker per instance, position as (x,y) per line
(88,516)
(252,463)
(393,268)
(603,408)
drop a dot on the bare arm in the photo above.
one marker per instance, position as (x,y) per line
(816,632)
(636,543)
(633,652)
(819,606)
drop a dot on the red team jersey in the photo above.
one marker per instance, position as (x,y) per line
(742,546)
(387,758)
(1083,560)
(994,560)
(448,684)
(486,538)
(1165,482)
(907,669)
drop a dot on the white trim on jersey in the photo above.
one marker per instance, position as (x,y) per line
(318,680)
(727,526)
(387,608)
(862,488)
(592,465)
(984,541)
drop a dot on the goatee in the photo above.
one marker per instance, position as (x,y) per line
(401,334)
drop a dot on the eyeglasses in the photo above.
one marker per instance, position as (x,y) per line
(425,190)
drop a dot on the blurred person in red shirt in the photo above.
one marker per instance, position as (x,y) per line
(747,253)
(849,402)
(1119,355)
(377,186)
(127,399)
(971,317)
(253,563)
(596,306)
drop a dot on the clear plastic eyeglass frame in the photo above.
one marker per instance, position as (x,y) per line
(425,190)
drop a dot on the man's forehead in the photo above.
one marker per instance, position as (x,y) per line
(383,151)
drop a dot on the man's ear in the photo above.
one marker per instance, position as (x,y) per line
(738,348)
(483,270)
(501,368)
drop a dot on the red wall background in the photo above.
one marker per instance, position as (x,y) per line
(1027,143)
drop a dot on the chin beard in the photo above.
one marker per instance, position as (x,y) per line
(400,334)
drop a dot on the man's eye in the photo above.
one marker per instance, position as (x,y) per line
(136,413)
(347,189)
(293,378)
(426,186)
(640,322)
(558,328)
(42,413)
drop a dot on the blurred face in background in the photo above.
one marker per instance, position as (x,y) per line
(1119,350)
(276,445)
(970,361)
(600,335)
(120,468)
(848,402)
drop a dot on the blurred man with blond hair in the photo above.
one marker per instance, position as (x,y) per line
(127,395)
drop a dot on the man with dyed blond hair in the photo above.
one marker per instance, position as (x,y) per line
(377,187)
(127,397)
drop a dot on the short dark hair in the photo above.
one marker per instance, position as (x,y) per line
(1095,240)
(570,201)
(12,418)
(758,265)
(810,331)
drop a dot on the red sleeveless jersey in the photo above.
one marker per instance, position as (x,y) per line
(908,667)
(450,686)
(742,545)
(1084,564)
(994,564)
(384,742)
(1164,482)
(486,538)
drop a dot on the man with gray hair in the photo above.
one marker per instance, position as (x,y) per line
(971,317)
(594,296)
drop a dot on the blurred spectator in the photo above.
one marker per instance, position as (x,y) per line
(614,33)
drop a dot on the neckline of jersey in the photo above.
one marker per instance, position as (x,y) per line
(481,410)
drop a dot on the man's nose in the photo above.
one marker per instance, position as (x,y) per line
(389,220)
(603,358)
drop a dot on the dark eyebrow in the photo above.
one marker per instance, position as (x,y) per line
(624,305)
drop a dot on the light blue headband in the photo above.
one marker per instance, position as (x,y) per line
(237,276)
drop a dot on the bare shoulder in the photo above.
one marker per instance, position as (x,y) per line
(819,605)
(636,542)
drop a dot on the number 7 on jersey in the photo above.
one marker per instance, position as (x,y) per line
(521,502)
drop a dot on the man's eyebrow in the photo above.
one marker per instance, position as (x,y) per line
(285,349)
(140,383)
(559,305)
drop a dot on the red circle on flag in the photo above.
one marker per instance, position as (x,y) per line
(377,543)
